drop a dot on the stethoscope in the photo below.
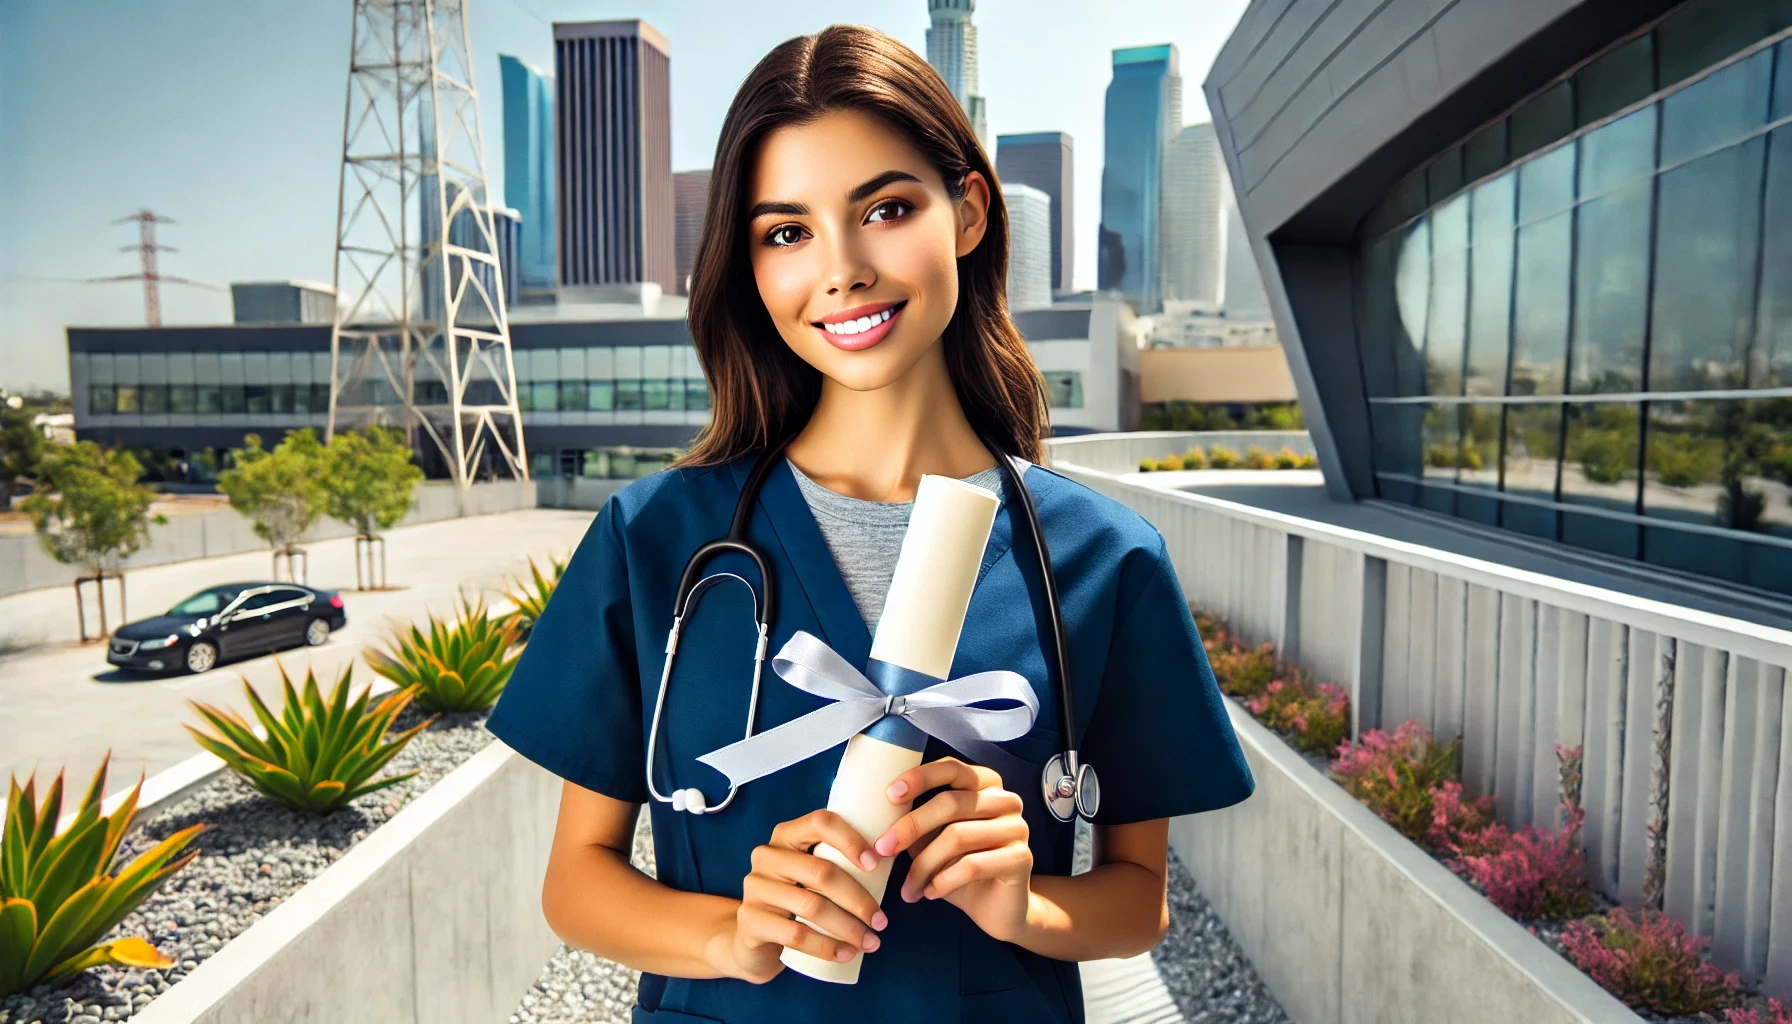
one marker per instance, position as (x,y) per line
(1070,787)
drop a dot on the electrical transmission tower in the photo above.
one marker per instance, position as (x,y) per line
(422,336)
(151,277)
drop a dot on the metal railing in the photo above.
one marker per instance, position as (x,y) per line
(1682,716)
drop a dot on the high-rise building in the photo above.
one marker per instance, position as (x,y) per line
(1194,219)
(1029,246)
(613,153)
(690,190)
(1144,109)
(529,174)
(1043,161)
(952,50)
(1241,295)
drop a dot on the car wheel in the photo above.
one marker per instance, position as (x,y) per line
(317,632)
(201,657)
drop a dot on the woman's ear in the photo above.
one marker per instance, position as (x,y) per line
(973,213)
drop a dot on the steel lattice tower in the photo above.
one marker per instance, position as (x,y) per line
(422,337)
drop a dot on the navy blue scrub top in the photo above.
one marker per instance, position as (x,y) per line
(1149,718)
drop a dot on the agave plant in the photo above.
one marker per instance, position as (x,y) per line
(457,666)
(320,752)
(56,896)
(531,597)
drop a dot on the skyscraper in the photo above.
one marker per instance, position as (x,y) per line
(1029,246)
(952,50)
(1194,218)
(1144,108)
(1043,160)
(613,152)
(1242,295)
(690,190)
(529,174)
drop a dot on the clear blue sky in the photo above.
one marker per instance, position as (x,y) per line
(227,116)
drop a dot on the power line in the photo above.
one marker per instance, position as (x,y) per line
(150,276)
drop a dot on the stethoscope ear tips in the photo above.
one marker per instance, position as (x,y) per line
(689,800)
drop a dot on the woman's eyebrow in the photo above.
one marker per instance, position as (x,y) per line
(791,209)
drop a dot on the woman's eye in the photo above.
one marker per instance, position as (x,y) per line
(784,236)
(899,207)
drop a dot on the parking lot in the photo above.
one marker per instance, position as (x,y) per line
(62,705)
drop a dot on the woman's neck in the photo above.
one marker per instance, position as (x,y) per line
(876,444)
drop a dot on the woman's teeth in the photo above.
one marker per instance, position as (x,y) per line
(861,325)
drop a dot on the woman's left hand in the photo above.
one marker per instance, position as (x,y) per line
(968,844)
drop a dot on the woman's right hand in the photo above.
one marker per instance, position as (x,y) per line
(787,881)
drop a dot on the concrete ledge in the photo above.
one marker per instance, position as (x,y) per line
(1347,921)
(434,918)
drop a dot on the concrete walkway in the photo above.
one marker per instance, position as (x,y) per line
(61,704)
(1128,991)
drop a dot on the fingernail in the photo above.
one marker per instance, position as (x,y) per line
(886,843)
(843,955)
(879,921)
(871,942)
(868,860)
(898,790)
(908,895)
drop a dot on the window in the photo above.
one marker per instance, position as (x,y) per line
(1582,331)
(102,399)
(181,398)
(127,398)
(572,396)
(653,395)
(233,398)
(696,391)
(545,395)
(628,394)
(255,399)
(153,398)
(600,395)
(1065,388)
(208,399)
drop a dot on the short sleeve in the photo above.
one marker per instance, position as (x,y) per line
(573,703)
(1159,738)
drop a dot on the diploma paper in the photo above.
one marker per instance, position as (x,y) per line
(922,618)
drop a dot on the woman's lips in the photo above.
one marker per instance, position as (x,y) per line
(865,339)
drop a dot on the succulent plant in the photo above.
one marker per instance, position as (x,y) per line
(457,666)
(57,897)
(320,752)
(531,596)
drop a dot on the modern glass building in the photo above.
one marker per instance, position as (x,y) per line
(1546,286)
(1029,246)
(529,170)
(1044,160)
(1144,109)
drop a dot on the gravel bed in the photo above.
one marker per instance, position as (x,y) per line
(253,854)
(1204,970)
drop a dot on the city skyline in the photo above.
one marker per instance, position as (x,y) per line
(254,197)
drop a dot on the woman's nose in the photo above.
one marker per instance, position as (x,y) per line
(850,270)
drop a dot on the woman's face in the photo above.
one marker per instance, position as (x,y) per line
(855,243)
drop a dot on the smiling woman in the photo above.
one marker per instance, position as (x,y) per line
(848,307)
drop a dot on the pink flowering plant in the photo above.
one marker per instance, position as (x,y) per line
(1397,775)
(1649,962)
(1458,824)
(1530,874)
(1775,1012)
(1315,716)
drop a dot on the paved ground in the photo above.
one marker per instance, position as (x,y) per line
(61,704)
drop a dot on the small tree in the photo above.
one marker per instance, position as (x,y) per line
(369,484)
(89,511)
(21,449)
(280,490)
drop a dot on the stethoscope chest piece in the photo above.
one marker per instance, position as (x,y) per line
(1070,788)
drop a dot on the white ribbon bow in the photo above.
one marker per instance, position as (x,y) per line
(941,710)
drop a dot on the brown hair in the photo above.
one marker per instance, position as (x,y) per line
(762,392)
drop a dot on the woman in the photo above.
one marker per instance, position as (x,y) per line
(847,302)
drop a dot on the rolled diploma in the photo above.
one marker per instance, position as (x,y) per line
(924,611)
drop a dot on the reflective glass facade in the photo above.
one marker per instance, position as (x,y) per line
(529,168)
(1577,323)
(1143,102)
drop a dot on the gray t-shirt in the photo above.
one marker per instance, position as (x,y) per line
(865,536)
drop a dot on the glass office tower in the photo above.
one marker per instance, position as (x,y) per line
(1144,108)
(529,170)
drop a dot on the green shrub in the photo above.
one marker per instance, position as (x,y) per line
(1170,463)
(1147,465)
(1221,457)
(320,752)
(1316,717)
(1307,462)
(1257,458)
(1286,459)
(1194,458)
(1396,775)
(1650,963)
(1241,672)
(458,666)
(59,894)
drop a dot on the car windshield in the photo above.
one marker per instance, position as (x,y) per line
(205,602)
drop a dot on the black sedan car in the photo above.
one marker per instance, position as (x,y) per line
(233,621)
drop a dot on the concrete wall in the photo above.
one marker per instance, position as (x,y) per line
(1516,661)
(576,491)
(1120,453)
(434,918)
(24,565)
(1348,922)
(1258,373)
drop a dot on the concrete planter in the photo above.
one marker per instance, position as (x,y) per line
(434,917)
(1348,921)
